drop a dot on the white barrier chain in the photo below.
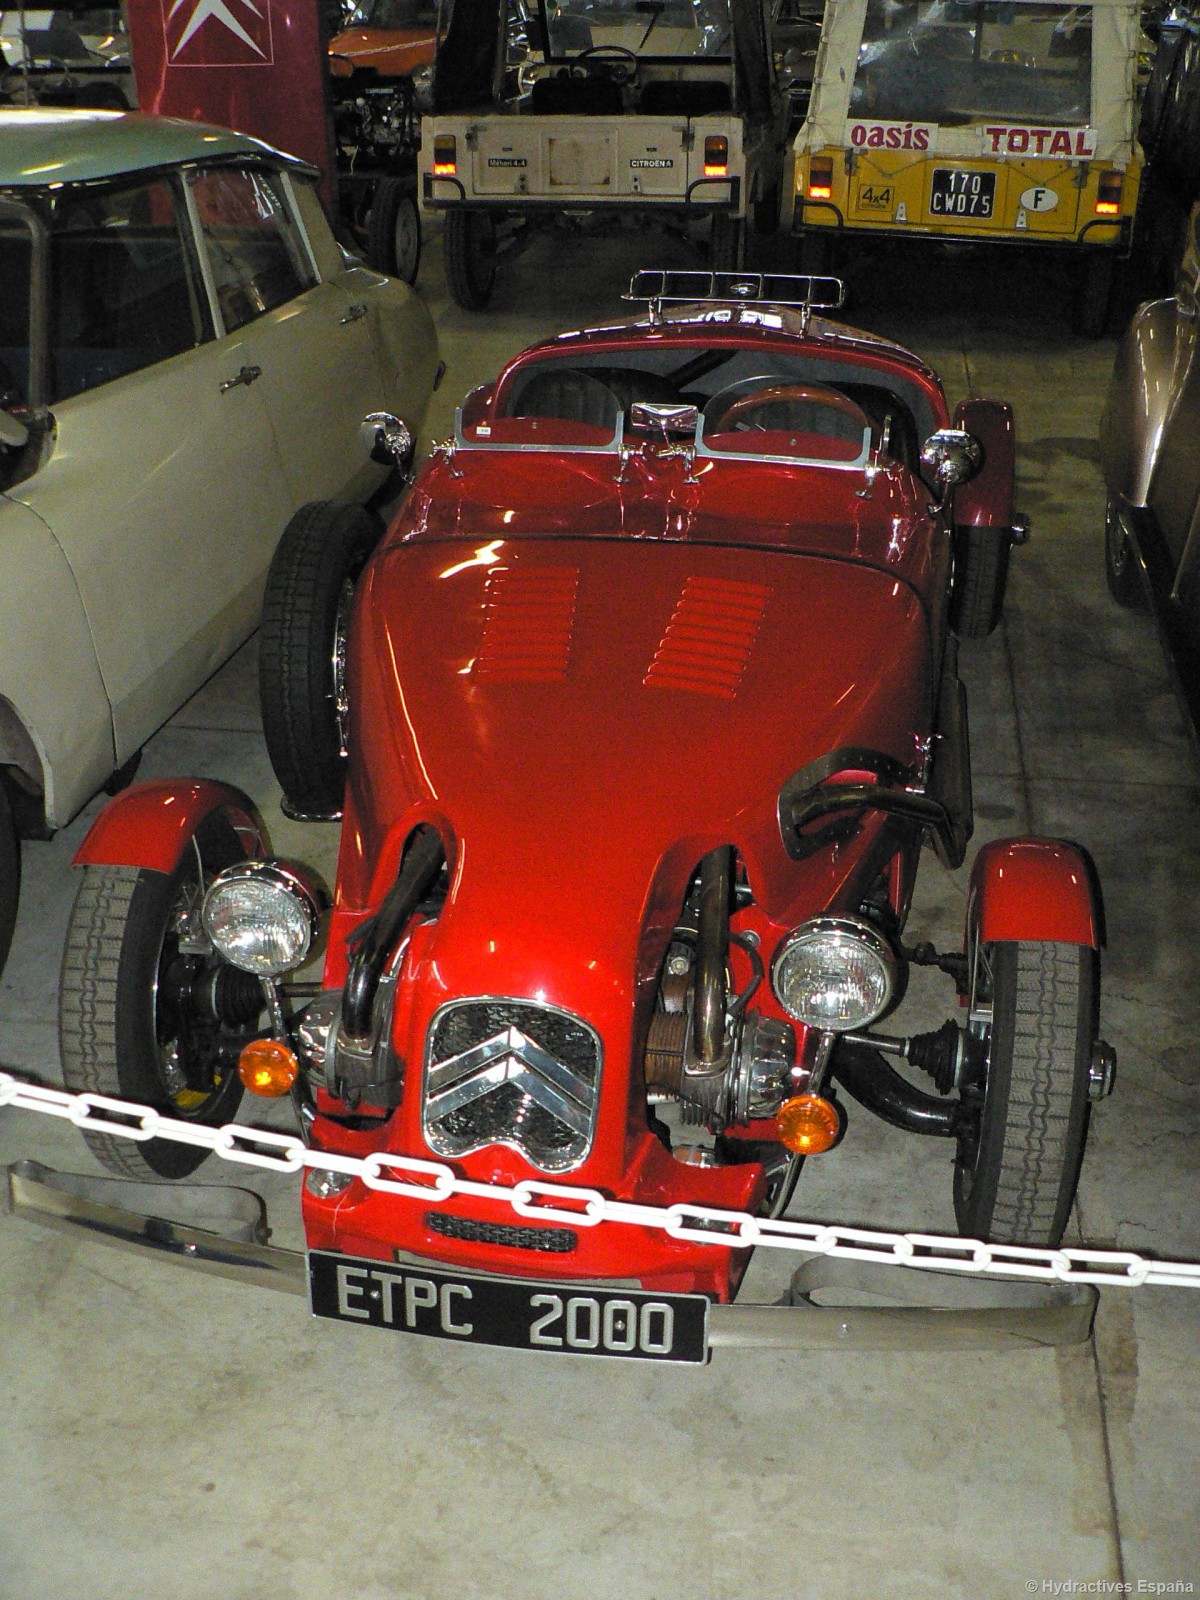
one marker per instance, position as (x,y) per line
(577,1207)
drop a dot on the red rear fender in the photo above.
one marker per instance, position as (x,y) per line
(987,500)
(1034,889)
(151,824)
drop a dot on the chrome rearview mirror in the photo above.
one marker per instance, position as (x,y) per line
(951,456)
(666,420)
(386,439)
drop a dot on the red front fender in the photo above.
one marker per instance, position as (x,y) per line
(151,824)
(1034,889)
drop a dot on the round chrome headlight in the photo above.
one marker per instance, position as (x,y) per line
(261,916)
(834,973)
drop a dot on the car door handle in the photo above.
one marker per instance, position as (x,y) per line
(353,315)
(246,375)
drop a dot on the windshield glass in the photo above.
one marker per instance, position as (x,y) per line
(674,29)
(16,259)
(943,62)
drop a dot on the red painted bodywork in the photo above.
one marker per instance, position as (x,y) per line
(587,673)
(1036,889)
(987,500)
(151,824)
(517,679)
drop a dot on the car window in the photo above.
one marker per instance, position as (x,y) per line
(956,61)
(256,253)
(123,292)
(16,254)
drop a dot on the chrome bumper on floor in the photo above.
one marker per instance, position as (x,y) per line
(223,1230)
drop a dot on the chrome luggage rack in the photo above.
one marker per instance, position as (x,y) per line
(656,288)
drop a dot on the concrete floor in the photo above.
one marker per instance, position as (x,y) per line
(171,1434)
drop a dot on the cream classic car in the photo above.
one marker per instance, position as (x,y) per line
(186,359)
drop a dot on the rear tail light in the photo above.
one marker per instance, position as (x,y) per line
(716,156)
(1108,195)
(820,178)
(445,156)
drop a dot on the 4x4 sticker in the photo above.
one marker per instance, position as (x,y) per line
(507,161)
(875,197)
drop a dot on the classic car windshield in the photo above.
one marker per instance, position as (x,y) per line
(750,401)
(945,62)
(677,29)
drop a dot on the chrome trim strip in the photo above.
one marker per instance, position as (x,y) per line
(937,1311)
(33,1193)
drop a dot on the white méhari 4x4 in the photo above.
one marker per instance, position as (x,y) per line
(661,107)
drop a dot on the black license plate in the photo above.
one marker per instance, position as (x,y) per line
(956,192)
(523,1315)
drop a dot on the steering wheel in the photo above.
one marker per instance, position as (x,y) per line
(612,60)
(738,414)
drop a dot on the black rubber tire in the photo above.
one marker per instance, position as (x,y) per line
(1016,1170)
(469,241)
(323,550)
(727,243)
(114,1025)
(980,580)
(1120,558)
(394,229)
(1093,294)
(10,875)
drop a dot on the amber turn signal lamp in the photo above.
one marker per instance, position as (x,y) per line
(1108,195)
(808,1124)
(267,1068)
(820,178)
(445,155)
(716,156)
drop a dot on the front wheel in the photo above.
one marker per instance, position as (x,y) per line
(302,652)
(146,1013)
(1120,559)
(470,244)
(1026,1114)
(394,229)
(980,580)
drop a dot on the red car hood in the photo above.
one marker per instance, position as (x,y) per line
(589,717)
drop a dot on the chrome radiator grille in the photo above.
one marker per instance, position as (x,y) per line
(511,1072)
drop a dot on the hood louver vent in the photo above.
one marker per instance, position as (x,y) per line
(709,638)
(529,614)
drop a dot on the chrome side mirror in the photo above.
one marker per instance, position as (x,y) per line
(667,420)
(951,456)
(386,439)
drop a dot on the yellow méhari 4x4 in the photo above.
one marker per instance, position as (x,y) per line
(999,121)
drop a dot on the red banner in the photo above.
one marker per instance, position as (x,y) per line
(254,65)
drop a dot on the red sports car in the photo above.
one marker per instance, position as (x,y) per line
(638,720)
